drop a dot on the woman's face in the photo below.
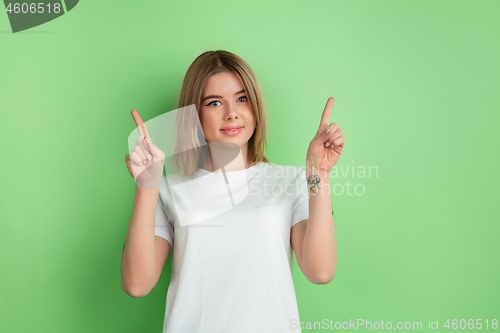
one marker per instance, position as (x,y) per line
(224,104)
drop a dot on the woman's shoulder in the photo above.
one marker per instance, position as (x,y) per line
(283,170)
(286,166)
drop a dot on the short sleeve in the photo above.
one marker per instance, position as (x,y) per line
(300,206)
(163,226)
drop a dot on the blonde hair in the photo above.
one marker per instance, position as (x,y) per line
(189,152)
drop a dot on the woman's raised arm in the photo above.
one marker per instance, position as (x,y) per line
(144,254)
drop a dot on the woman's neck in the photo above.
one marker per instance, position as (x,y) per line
(238,163)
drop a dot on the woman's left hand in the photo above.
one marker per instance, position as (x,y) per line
(325,149)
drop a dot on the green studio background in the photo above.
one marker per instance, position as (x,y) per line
(416,88)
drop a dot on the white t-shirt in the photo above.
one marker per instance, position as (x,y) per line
(232,271)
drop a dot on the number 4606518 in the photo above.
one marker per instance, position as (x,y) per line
(32,8)
(471,324)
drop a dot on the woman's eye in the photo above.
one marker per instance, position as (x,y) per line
(211,103)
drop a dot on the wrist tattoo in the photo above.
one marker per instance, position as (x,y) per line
(313,182)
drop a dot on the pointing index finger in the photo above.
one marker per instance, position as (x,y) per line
(140,124)
(325,118)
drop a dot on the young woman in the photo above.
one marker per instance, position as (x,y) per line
(232,271)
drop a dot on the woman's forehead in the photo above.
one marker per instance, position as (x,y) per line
(223,83)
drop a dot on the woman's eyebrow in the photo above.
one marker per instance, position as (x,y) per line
(217,96)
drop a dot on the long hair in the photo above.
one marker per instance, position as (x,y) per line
(190,154)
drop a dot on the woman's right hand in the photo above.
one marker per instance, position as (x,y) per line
(145,161)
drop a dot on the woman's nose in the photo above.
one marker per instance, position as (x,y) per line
(231,112)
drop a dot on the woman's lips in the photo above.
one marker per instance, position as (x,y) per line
(232,132)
